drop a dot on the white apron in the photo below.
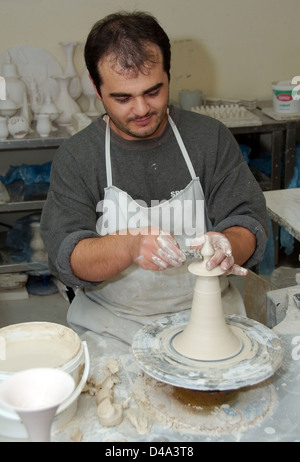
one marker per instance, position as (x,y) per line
(121,305)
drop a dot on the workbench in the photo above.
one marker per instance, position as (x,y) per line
(280,422)
(284,209)
(279,396)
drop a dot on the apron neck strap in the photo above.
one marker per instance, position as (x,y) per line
(107,154)
(183,148)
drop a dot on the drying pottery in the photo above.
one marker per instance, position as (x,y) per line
(15,86)
(75,88)
(3,128)
(18,126)
(8,107)
(36,243)
(43,126)
(65,103)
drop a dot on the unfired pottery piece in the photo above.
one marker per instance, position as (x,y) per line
(204,349)
(207,335)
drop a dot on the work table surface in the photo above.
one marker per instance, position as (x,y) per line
(228,422)
(284,208)
(280,421)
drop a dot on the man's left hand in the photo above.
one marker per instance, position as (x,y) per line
(223,253)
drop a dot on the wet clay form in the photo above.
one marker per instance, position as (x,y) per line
(207,335)
(204,349)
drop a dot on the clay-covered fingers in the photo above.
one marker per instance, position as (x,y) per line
(238,270)
(220,258)
(222,253)
(169,251)
(227,264)
(146,253)
(158,251)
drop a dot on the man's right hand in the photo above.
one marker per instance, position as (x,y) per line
(156,250)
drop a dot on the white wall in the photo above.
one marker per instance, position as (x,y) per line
(227,48)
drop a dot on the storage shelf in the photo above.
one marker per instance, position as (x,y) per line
(21,206)
(31,141)
(34,141)
(21,267)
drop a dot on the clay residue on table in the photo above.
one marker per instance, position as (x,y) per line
(189,412)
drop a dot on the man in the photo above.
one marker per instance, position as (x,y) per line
(134,191)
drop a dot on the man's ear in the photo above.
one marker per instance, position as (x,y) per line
(95,88)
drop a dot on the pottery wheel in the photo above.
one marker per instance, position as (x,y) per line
(260,355)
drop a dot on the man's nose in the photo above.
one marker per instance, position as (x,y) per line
(141,107)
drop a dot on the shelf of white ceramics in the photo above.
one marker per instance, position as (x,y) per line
(21,206)
(20,267)
(33,140)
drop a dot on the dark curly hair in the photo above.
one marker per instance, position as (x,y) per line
(128,37)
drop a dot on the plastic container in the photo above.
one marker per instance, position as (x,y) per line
(283,101)
(42,344)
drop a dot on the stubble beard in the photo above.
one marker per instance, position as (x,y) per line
(136,134)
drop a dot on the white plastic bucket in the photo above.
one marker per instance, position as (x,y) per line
(41,344)
(190,99)
(283,101)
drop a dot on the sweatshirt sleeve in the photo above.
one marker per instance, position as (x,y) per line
(68,216)
(235,198)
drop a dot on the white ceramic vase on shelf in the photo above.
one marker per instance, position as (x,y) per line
(64,102)
(43,126)
(8,107)
(2,88)
(35,97)
(89,92)
(75,88)
(26,110)
(15,87)
(3,128)
(36,243)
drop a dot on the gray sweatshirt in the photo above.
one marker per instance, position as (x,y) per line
(148,170)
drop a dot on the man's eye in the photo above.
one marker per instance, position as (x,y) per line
(122,100)
(153,93)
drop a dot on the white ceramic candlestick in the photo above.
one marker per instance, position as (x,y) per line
(35,395)
(207,336)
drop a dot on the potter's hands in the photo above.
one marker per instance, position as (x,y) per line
(156,250)
(223,253)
